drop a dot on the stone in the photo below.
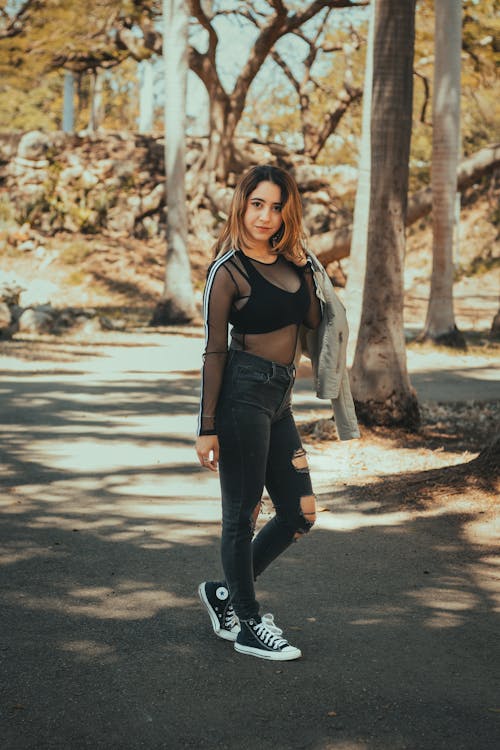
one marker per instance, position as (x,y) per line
(316,217)
(90,327)
(33,145)
(5,316)
(16,311)
(27,246)
(35,321)
(311,177)
(88,179)
(153,201)
(125,169)
(30,164)
(70,175)
(495,327)
(10,293)
(111,325)
(151,226)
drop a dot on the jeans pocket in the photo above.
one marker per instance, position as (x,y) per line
(245,374)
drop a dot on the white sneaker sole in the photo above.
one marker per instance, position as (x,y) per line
(287,655)
(226,635)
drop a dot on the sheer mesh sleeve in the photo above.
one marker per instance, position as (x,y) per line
(220,291)
(313,316)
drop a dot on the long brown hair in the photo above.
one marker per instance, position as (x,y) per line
(290,238)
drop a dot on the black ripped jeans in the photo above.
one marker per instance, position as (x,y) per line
(259,446)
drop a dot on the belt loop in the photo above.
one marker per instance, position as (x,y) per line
(273,372)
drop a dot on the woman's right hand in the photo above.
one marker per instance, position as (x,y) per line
(207,448)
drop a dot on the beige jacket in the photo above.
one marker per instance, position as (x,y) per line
(326,347)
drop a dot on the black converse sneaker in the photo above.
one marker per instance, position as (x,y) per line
(258,639)
(215,597)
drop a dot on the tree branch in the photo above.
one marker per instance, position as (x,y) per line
(335,245)
(300,18)
(427,95)
(14,24)
(286,70)
(200,15)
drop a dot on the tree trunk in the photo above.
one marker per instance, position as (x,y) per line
(495,327)
(220,143)
(68,122)
(379,377)
(146,96)
(357,252)
(440,322)
(95,101)
(330,246)
(177,303)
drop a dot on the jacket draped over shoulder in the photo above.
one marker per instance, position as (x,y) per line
(326,347)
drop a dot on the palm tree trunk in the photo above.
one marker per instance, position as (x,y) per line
(379,376)
(440,322)
(146,96)
(177,303)
(357,253)
(68,123)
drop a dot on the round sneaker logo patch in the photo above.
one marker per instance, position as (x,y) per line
(222,593)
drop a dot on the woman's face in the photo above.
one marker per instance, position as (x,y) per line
(262,216)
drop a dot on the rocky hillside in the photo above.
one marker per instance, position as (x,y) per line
(82,225)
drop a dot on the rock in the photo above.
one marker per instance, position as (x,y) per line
(27,246)
(20,235)
(9,143)
(111,325)
(70,175)
(124,170)
(104,168)
(153,201)
(90,327)
(88,179)
(35,321)
(495,327)
(122,217)
(151,226)
(316,217)
(16,311)
(65,319)
(33,146)
(5,316)
(311,177)
(343,179)
(10,293)
(323,196)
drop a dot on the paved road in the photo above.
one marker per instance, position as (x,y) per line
(107,527)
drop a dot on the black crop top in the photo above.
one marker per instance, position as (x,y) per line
(265,303)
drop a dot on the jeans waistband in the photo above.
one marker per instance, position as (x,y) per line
(260,363)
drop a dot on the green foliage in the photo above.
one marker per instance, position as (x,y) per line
(7,209)
(61,35)
(479,98)
(79,35)
(75,252)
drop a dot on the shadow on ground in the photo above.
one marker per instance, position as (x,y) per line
(107,529)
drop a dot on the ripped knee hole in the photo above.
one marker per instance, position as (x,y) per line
(255,514)
(299,461)
(308,513)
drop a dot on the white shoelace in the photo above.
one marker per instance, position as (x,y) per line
(230,619)
(268,637)
(268,620)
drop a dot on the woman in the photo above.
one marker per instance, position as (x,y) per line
(261,283)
